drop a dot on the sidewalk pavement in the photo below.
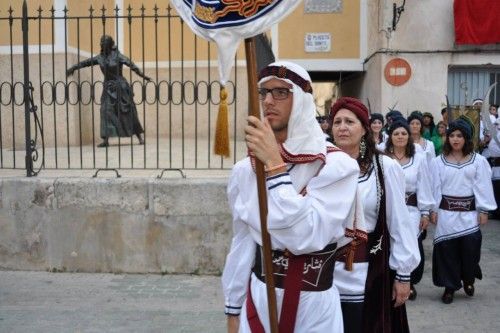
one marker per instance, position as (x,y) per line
(78,302)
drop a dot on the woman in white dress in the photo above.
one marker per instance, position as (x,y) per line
(494,160)
(419,198)
(416,129)
(463,191)
(376,125)
(374,290)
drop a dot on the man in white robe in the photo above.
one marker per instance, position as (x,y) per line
(311,192)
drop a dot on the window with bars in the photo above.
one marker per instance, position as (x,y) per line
(468,83)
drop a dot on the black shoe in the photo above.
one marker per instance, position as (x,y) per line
(413,293)
(469,289)
(447,297)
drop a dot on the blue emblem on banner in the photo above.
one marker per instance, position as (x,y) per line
(229,13)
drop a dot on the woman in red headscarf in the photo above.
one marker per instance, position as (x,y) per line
(374,279)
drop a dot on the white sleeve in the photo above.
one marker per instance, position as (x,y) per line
(405,256)
(436,181)
(424,193)
(241,256)
(308,223)
(482,187)
(432,151)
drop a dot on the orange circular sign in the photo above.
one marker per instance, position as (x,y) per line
(397,72)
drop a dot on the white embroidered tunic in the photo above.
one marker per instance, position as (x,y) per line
(493,150)
(404,254)
(301,224)
(428,150)
(472,178)
(418,180)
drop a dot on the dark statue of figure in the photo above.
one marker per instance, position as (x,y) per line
(118,112)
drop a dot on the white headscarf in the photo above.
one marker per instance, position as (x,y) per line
(305,136)
(305,145)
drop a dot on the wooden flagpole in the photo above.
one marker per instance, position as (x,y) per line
(253,110)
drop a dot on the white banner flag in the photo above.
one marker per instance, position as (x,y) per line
(227,22)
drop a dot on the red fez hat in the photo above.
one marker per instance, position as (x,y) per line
(354,105)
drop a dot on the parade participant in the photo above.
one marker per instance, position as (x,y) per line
(389,118)
(484,133)
(325,126)
(376,125)
(444,116)
(311,189)
(419,198)
(374,292)
(477,102)
(118,111)
(429,128)
(440,138)
(494,161)
(462,189)
(416,129)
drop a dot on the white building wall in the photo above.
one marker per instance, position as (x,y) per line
(425,38)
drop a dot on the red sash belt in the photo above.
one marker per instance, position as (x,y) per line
(458,204)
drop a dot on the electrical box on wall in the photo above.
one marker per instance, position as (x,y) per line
(385,15)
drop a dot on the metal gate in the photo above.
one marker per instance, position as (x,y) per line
(51,121)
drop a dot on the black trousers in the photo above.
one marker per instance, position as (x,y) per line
(496,190)
(418,272)
(352,314)
(457,260)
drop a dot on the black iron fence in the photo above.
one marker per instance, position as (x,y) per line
(49,120)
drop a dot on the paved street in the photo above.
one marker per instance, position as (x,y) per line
(65,302)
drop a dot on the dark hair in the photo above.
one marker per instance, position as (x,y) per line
(371,149)
(410,147)
(416,113)
(379,117)
(376,116)
(466,149)
(393,113)
(380,135)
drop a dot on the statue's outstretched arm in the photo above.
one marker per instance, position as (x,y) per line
(126,61)
(85,63)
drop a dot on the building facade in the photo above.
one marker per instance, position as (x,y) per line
(349,47)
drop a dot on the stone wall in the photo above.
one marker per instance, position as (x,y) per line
(114,225)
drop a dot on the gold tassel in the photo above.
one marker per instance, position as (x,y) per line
(222,127)
(350,256)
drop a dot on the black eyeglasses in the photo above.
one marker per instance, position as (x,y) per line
(277,93)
